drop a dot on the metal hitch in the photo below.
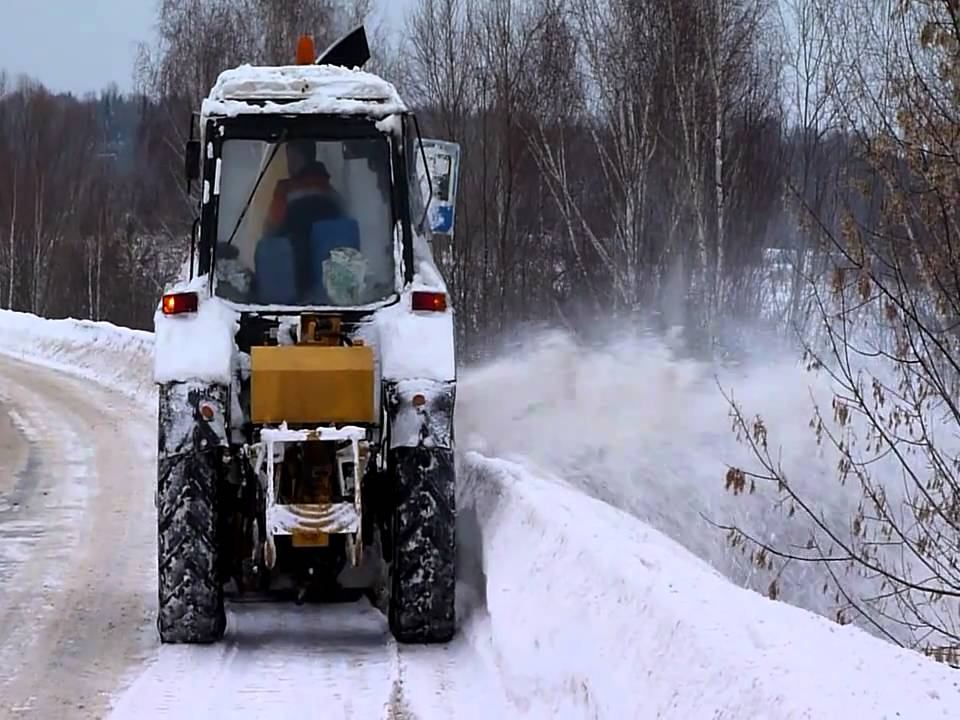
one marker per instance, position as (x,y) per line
(311,523)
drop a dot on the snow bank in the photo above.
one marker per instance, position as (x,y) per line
(592,613)
(99,351)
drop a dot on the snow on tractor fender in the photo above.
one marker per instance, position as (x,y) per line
(417,367)
(197,346)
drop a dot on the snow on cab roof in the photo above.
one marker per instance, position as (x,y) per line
(301,89)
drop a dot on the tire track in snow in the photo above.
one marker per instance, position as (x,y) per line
(15,452)
(19,463)
(35,525)
(447,681)
(275,660)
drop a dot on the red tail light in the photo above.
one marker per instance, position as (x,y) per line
(177,303)
(429,301)
(306,51)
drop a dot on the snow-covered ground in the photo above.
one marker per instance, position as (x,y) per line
(278,661)
(594,614)
(572,603)
(77,575)
(114,356)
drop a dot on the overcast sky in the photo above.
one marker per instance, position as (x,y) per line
(83,45)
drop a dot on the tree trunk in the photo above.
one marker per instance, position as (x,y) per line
(12,244)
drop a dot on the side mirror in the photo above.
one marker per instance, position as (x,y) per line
(191,161)
(442,160)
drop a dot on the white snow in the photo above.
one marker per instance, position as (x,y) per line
(426,274)
(415,345)
(333,518)
(53,508)
(391,125)
(275,662)
(64,484)
(284,434)
(409,420)
(114,356)
(569,606)
(196,346)
(592,613)
(301,89)
(629,422)
(632,424)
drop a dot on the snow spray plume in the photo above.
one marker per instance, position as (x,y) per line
(632,423)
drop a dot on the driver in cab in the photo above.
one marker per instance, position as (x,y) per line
(299,201)
(306,196)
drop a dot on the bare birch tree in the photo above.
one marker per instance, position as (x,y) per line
(617,57)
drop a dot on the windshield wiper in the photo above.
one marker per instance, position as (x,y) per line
(256,185)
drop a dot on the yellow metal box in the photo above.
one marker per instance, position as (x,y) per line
(311,384)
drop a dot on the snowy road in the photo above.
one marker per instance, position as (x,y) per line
(334,661)
(76,543)
(276,661)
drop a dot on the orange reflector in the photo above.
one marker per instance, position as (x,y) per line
(306,51)
(429,301)
(176,303)
(206,410)
(419,400)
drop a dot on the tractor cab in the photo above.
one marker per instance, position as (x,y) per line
(310,190)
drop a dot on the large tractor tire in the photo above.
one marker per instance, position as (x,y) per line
(190,592)
(424,546)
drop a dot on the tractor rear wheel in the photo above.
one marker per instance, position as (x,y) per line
(190,592)
(423,546)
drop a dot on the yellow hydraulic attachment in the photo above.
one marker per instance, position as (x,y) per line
(315,381)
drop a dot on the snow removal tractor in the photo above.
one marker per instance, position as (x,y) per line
(305,358)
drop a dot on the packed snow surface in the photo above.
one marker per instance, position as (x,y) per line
(571,603)
(77,546)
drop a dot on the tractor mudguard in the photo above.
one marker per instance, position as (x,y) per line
(193,418)
(420,413)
